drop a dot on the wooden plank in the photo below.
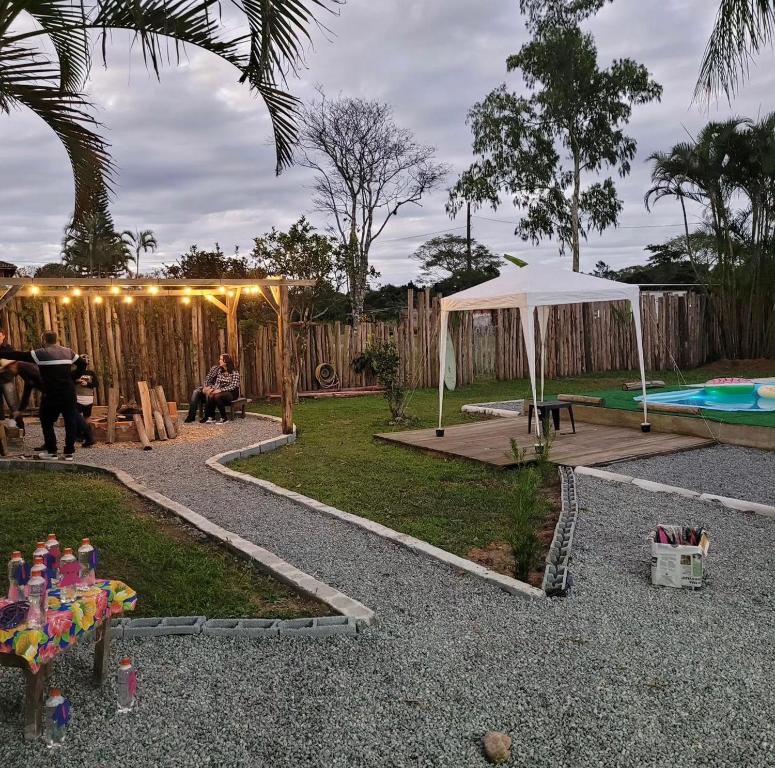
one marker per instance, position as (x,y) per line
(169,424)
(113,398)
(141,432)
(158,419)
(147,408)
(3,440)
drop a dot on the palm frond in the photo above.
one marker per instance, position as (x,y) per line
(273,46)
(742,29)
(63,21)
(31,80)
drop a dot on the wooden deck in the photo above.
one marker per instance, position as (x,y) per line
(593,444)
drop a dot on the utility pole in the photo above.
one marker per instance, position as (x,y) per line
(469,264)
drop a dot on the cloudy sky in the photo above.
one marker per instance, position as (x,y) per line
(195,163)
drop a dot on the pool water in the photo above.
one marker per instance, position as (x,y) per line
(699,397)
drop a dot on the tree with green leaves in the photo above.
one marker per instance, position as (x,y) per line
(142,240)
(200,264)
(455,262)
(538,149)
(301,253)
(51,86)
(91,247)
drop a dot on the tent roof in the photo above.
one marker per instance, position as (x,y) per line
(538,285)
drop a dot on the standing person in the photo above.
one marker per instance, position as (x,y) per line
(85,385)
(201,394)
(7,380)
(224,391)
(55,363)
(29,373)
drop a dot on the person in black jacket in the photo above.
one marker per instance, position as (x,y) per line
(7,381)
(56,370)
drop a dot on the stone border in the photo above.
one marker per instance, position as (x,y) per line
(481,408)
(649,485)
(263,558)
(323,626)
(218,463)
(557,578)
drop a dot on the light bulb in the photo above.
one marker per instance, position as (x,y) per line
(115,290)
(128,299)
(77,291)
(186,299)
(65,299)
(98,299)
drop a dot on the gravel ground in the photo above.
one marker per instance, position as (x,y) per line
(504,405)
(726,470)
(618,674)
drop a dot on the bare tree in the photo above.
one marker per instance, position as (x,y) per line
(367,168)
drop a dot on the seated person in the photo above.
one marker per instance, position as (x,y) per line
(200,393)
(224,391)
(85,385)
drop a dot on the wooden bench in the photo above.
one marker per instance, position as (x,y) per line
(233,409)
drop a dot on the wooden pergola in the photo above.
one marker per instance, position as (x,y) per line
(224,294)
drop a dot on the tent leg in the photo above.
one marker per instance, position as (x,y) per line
(528,332)
(443,322)
(645,426)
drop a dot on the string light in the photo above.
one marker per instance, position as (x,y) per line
(34,290)
(153,290)
(115,290)
(186,299)
(223,289)
(128,299)
(65,299)
(253,289)
(98,299)
(77,291)
(230,293)
(186,290)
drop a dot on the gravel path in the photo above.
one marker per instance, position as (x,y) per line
(726,470)
(619,674)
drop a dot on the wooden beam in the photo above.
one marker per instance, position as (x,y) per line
(232,325)
(270,298)
(141,433)
(284,344)
(147,409)
(217,303)
(87,282)
(112,408)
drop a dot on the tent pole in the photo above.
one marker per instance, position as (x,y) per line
(542,320)
(528,332)
(443,321)
(635,304)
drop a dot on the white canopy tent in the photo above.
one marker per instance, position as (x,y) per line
(538,287)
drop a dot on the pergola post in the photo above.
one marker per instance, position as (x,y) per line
(232,325)
(284,346)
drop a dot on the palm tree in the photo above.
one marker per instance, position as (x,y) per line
(742,29)
(52,86)
(142,240)
(92,247)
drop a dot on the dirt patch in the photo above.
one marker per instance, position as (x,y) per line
(498,556)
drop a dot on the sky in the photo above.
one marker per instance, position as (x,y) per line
(196,164)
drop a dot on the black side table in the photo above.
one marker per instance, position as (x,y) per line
(552,407)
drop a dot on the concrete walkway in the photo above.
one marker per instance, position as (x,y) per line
(619,674)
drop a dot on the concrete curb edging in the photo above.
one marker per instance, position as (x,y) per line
(263,558)
(323,626)
(741,505)
(506,583)
(485,411)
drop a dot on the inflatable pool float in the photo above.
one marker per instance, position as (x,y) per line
(766,391)
(729,387)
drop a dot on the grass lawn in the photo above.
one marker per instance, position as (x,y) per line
(175,570)
(454,504)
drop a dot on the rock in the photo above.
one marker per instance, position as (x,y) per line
(497,746)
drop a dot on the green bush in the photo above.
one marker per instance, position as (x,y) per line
(527,512)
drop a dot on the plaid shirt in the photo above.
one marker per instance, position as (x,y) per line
(226,381)
(212,376)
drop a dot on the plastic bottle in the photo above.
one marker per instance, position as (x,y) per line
(127,685)
(40,551)
(39,568)
(57,715)
(37,594)
(68,592)
(85,553)
(15,589)
(52,549)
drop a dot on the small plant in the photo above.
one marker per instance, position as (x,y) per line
(528,510)
(519,454)
(543,451)
(384,361)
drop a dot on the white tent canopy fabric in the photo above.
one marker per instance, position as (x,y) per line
(531,289)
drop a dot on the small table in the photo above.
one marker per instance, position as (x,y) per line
(552,407)
(33,649)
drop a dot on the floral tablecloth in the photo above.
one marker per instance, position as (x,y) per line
(66,624)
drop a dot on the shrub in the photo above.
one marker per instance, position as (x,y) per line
(528,510)
(383,359)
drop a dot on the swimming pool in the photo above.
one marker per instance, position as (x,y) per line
(714,398)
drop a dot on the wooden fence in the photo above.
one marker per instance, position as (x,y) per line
(166,342)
